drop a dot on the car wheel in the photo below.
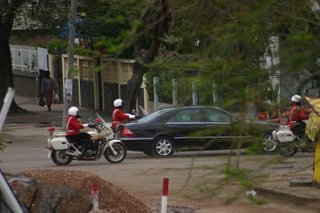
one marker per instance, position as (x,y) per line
(163,146)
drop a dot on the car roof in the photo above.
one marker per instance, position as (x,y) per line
(187,107)
(164,112)
(192,107)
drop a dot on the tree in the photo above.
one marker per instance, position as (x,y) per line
(47,13)
(132,29)
(224,41)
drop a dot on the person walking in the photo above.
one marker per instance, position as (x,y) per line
(47,88)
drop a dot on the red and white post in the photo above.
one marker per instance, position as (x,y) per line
(164,200)
(95,197)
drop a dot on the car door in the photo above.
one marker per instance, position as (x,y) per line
(218,128)
(187,128)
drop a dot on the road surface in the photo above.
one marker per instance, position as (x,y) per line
(195,179)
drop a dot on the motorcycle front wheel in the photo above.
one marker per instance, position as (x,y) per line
(288,149)
(60,158)
(269,144)
(121,153)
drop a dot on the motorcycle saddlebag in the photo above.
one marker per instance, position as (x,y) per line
(285,135)
(59,143)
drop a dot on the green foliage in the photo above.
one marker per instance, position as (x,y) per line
(224,43)
(57,46)
(112,25)
(241,175)
(256,200)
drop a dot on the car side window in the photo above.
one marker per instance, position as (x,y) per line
(182,116)
(200,115)
(217,116)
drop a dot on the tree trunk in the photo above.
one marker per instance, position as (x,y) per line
(6,75)
(147,56)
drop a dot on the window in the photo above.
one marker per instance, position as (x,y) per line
(215,115)
(183,116)
(189,115)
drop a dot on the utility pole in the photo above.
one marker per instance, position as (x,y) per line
(71,47)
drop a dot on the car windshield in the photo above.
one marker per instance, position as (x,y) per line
(152,115)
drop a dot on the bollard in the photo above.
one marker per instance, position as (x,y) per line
(95,197)
(164,200)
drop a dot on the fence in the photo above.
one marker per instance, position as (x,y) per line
(97,90)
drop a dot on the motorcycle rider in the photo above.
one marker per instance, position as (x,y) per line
(118,116)
(297,115)
(73,127)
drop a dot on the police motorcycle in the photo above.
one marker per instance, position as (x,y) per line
(103,142)
(289,138)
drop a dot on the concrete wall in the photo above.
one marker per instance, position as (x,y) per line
(26,84)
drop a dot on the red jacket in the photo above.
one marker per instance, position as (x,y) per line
(297,113)
(73,125)
(118,117)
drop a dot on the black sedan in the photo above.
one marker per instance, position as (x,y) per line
(189,128)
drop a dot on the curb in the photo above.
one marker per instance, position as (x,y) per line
(285,196)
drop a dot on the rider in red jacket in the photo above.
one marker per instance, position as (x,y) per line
(297,115)
(118,116)
(73,127)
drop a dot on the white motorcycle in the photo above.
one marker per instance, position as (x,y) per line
(288,143)
(103,142)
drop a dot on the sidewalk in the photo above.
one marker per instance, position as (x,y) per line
(295,170)
(42,116)
(291,179)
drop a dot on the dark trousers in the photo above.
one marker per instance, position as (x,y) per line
(82,139)
(299,128)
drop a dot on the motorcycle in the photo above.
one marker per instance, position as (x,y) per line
(288,142)
(103,142)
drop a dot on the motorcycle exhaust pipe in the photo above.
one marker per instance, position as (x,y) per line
(73,154)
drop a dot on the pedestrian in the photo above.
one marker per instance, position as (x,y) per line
(47,89)
(118,116)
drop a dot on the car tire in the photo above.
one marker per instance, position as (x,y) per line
(163,146)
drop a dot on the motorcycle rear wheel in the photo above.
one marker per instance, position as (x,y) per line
(120,150)
(288,149)
(60,158)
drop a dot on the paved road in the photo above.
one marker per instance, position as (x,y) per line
(195,182)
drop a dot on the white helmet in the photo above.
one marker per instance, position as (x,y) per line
(296,98)
(117,102)
(73,111)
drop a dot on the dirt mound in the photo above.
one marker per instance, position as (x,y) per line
(70,191)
